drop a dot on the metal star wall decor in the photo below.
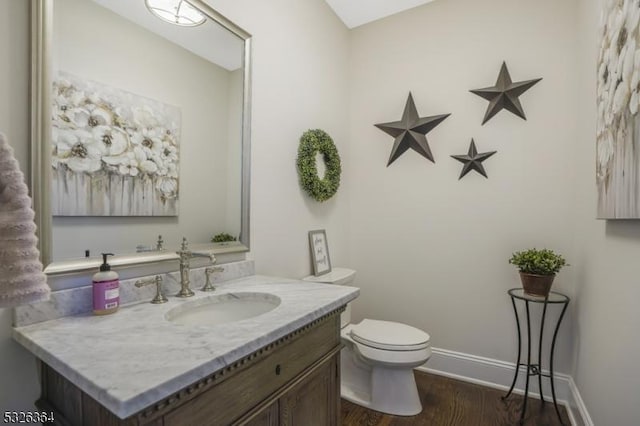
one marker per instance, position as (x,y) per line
(504,95)
(473,160)
(411,131)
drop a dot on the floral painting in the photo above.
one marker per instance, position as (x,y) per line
(618,101)
(114,153)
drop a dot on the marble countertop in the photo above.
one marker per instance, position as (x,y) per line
(135,357)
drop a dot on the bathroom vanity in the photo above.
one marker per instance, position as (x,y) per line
(140,367)
(292,381)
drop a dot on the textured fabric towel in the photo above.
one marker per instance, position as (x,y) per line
(21,277)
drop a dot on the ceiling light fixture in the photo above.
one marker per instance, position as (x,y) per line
(178,12)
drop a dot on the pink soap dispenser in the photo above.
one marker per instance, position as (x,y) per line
(106,289)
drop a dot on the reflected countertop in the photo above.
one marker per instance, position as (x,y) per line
(135,357)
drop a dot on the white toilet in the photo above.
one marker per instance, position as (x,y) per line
(378,359)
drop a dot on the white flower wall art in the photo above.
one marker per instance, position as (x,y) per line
(618,101)
(114,153)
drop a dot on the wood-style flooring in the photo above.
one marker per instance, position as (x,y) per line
(448,402)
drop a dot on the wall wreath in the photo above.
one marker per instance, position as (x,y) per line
(312,142)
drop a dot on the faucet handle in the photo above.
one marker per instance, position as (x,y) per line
(157,280)
(208,272)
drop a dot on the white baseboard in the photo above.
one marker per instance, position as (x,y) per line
(577,404)
(499,374)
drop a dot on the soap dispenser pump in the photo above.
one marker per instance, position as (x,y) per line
(106,289)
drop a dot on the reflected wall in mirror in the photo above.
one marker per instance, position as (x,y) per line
(146,132)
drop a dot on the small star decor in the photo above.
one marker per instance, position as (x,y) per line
(473,160)
(411,131)
(504,95)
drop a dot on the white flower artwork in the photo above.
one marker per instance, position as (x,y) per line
(618,101)
(114,153)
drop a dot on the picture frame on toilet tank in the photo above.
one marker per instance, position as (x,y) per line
(319,252)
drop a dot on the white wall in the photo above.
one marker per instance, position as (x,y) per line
(432,250)
(300,82)
(435,246)
(606,257)
(18,388)
(300,79)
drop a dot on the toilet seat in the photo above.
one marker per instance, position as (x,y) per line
(389,336)
(391,359)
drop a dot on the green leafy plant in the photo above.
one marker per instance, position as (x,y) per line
(312,142)
(539,262)
(222,237)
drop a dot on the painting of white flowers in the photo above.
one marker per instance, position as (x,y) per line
(618,99)
(114,153)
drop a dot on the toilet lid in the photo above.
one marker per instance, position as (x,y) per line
(389,335)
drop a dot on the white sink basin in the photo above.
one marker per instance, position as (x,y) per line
(223,308)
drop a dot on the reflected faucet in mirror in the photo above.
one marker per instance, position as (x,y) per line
(185,256)
(141,248)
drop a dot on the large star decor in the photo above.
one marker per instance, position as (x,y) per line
(410,132)
(473,160)
(504,95)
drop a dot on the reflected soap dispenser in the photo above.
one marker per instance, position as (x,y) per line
(106,289)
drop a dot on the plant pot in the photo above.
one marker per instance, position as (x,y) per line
(536,285)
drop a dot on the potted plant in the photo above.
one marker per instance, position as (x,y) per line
(222,237)
(537,268)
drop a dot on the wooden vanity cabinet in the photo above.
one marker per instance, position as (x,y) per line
(314,400)
(292,381)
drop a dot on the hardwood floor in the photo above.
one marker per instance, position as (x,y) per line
(448,402)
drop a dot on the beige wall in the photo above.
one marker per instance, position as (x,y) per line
(432,250)
(234,151)
(607,340)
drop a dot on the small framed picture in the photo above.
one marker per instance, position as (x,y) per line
(319,252)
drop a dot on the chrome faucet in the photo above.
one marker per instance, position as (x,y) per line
(185,256)
(157,280)
(207,272)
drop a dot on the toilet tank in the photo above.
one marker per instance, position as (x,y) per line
(337,276)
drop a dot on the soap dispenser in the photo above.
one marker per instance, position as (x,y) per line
(106,289)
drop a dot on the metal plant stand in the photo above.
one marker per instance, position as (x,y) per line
(535,369)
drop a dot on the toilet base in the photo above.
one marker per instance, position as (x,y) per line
(388,390)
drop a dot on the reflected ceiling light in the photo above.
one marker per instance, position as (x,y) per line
(178,12)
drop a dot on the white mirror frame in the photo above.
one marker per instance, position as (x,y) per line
(40,173)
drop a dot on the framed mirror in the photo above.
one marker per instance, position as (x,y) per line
(140,131)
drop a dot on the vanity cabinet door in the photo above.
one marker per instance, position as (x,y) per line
(316,400)
(266,417)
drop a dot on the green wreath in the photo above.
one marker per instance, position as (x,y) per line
(312,142)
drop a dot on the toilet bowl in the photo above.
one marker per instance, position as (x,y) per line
(378,359)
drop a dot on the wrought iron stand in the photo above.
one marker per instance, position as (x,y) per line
(536,369)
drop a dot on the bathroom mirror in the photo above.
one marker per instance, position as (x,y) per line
(140,129)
